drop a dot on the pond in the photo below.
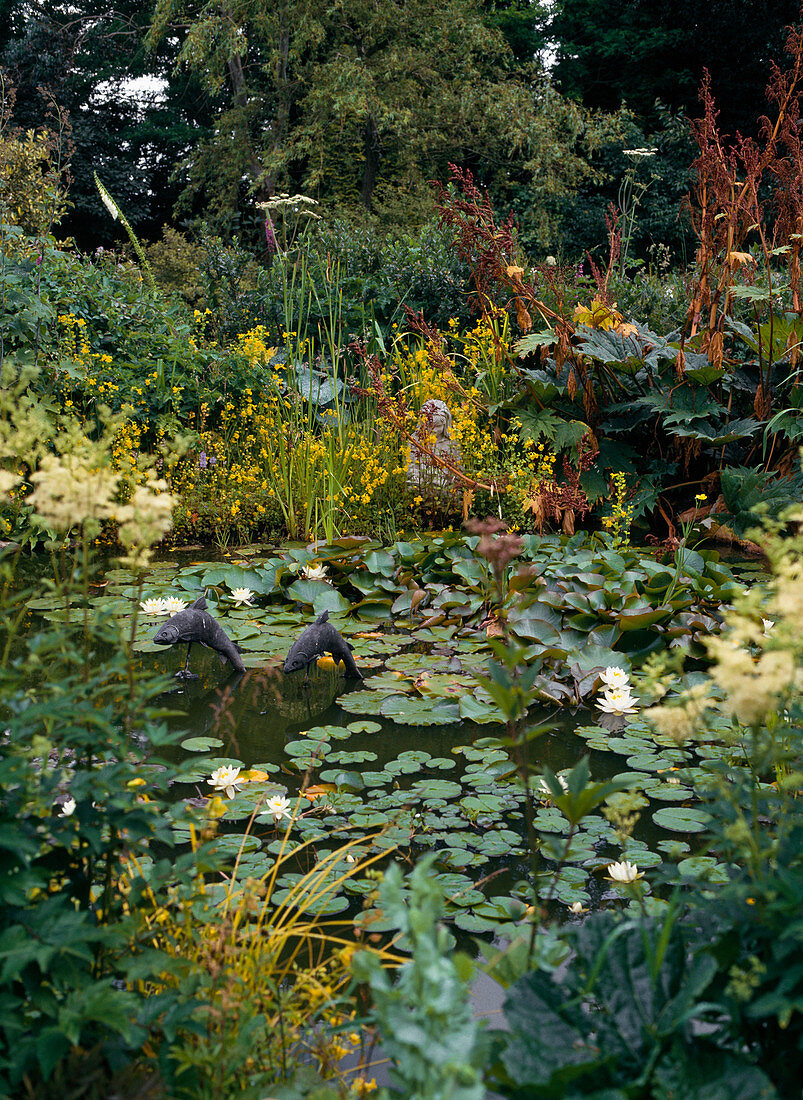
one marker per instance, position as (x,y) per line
(415,758)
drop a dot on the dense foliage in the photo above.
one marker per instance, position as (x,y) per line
(345,368)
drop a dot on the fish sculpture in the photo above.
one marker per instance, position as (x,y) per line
(321,637)
(195,624)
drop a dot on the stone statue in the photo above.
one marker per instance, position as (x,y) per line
(435,424)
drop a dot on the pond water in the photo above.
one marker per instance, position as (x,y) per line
(414,758)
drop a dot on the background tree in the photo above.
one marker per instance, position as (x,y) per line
(80,56)
(634,52)
(361,104)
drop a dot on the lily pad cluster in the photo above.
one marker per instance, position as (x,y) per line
(468,809)
(416,616)
(576,605)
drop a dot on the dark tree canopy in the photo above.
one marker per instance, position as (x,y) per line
(361,104)
(79,55)
(634,52)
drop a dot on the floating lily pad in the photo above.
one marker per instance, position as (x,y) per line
(364,726)
(324,733)
(444,685)
(322,596)
(362,702)
(649,762)
(369,819)
(669,792)
(419,712)
(482,804)
(476,710)
(374,779)
(359,756)
(400,767)
(201,744)
(305,746)
(232,843)
(438,788)
(344,780)
(704,867)
(325,905)
(681,819)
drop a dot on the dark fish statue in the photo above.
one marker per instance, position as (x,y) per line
(319,638)
(195,624)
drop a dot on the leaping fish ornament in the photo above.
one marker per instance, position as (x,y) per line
(319,638)
(195,624)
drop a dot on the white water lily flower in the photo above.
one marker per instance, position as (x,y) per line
(154,606)
(279,806)
(614,677)
(624,871)
(543,791)
(617,701)
(577,907)
(768,625)
(316,572)
(242,595)
(225,779)
(173,604)
(67,808)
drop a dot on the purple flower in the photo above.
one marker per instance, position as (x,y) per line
(202,460)
(213,460)
(270,236)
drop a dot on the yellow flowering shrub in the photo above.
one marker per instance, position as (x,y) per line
(267,465)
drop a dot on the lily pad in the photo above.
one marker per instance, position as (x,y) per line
(359,756)
(364,726)
(307,746)
(438,788)
(681,819)
(324,733)
(201,744)
(322,596)
(476,710)
(232,843)
(419,712)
